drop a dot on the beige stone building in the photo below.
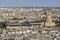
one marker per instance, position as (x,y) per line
(49,19)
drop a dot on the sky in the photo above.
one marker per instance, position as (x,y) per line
(29,3)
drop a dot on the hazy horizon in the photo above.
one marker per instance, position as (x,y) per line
(29,3)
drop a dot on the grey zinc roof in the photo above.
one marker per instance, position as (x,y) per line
(18,24)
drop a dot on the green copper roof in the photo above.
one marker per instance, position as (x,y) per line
(42,36)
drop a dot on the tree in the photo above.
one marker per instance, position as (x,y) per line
(1,26)
(58,23)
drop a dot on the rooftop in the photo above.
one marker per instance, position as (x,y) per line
(18,24)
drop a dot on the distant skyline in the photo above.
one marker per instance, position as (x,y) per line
(29,3)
